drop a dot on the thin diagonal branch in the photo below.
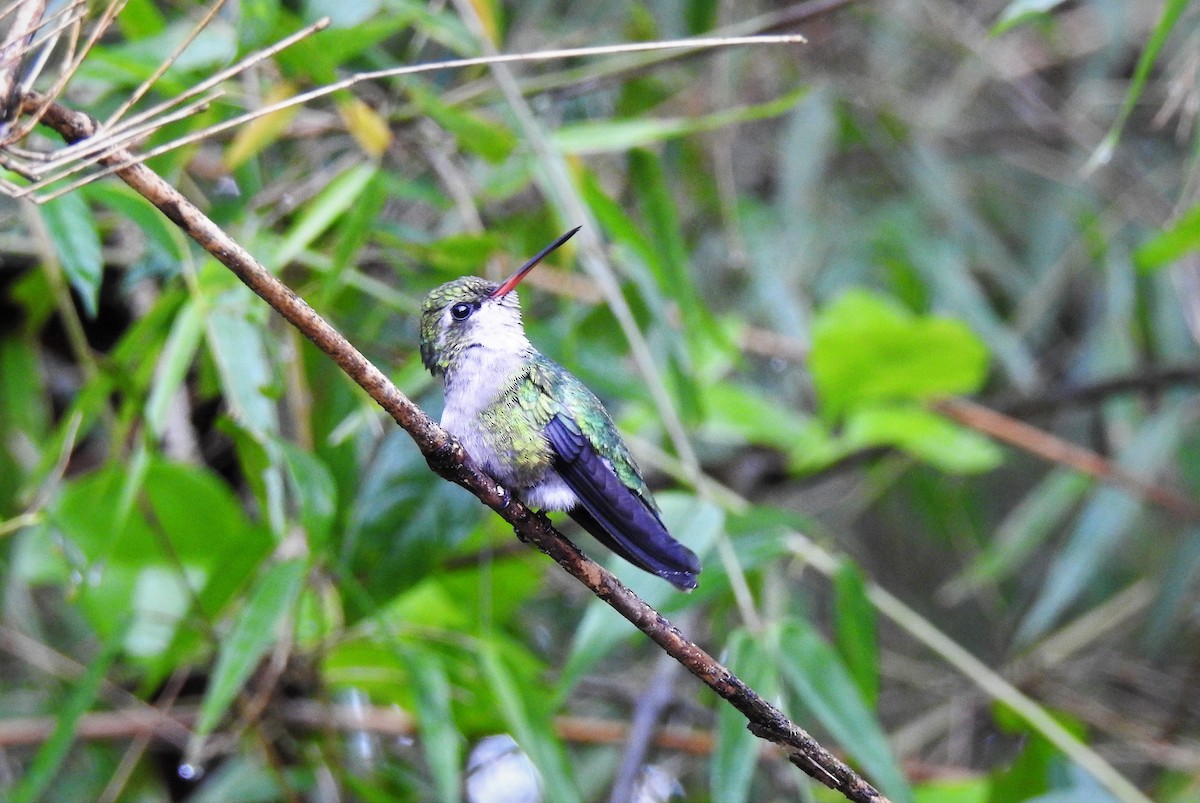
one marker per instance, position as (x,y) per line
(446,456)
(104,144)
(1057,450)
(12,51)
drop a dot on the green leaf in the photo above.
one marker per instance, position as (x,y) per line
(313,490)
(72,231)
(320,619)
(336,200)
(818,677)
(174,362)
(866,348)
(441,741)
(254,631)
(428,604)
(1104,522)
(403,520)
(529,721)
(210,49)
(610,136)
(954,790)
(1020,11)
(164,239)
(923,434)
(236,342)
(188,544)
(736,754)
(353,231)
(256,19)
(1171,244)
(141,18)
(318,58)
(364,665)
(701,15)
(658,209)
(343,15)
(1171,12)
(24,409)
(694,522)
(736,413)
(854,630)
(491,139)
(672,272)
(1037,768)
(456,254)
(657,281)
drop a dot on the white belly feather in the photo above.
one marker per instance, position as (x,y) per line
(475,384)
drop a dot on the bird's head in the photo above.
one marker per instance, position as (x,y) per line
(471,312)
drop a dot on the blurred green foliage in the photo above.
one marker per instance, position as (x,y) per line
(804,248)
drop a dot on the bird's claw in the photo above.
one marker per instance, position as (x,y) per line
(506,497)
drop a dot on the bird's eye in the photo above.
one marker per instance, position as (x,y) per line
(460,312)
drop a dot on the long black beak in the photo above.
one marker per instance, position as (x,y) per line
(512,281)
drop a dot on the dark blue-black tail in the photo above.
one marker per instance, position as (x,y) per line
(646,545)
(615,514)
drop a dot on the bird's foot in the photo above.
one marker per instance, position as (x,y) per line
(506,499)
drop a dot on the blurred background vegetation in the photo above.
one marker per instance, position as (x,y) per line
(807,250)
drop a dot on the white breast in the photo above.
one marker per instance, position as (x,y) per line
(478,376)
(483,370)
(478,379)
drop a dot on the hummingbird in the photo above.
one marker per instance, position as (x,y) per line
(535,427)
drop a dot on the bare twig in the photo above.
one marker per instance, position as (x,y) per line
(126,723)
(133,755)
(72,19)
(647,711)
(627,65)
(104,144)
(171,726)
(446,456)
(12,53)
(37,655)
(1055,449)
(1150,380)
(163,66)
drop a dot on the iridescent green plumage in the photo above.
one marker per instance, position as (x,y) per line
(540,390)
(536,428)
(439,347)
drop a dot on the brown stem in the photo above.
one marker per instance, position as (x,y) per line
(172,726)
(1152,379)
(1053,448)
(448,459)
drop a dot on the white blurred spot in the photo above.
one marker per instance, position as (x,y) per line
(656,785)
(361,745)
(499,772)
(226,186)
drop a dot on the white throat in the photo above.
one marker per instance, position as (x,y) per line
(487,364)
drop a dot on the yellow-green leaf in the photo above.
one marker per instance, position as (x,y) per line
(261,131)
(867,349)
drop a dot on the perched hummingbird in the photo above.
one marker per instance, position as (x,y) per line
(536,428)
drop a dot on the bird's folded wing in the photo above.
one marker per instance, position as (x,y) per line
(614,513)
